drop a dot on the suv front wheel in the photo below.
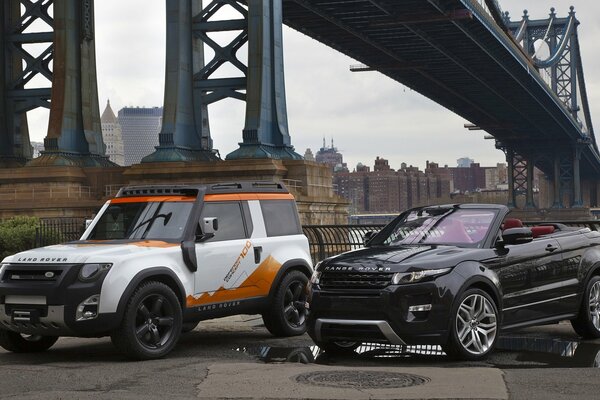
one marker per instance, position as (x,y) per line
(151,323)
(286,315)
(23,343)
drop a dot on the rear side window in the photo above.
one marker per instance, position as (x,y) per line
(281,217)
(231,222)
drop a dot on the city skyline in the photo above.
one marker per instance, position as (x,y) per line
(401,125)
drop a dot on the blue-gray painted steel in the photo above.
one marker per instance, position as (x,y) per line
(185,133)
(265,133)
(17,68)
(74,132)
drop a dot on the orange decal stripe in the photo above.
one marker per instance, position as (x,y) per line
(248,196)
(257,284)
(148,199)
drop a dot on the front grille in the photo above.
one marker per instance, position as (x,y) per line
(355,280)
(38,275)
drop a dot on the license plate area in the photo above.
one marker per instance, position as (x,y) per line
(26,314)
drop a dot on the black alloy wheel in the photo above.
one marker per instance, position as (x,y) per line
(23,343)
(152,323)
(587,323)
(286,316)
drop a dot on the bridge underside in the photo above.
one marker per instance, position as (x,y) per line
(458,58)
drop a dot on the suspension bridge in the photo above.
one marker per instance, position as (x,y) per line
(467,55)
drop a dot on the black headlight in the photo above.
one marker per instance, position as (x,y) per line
(90,272)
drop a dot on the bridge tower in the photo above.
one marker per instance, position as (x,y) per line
(18,67)
(553,47)
(74,134)
(191,85)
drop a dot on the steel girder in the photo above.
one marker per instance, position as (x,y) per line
(18,67)
(265,133)
(74,131)
(185,132)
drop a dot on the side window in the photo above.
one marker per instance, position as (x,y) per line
(231,222)
(281,217)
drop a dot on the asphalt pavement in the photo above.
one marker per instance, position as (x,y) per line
(236,358)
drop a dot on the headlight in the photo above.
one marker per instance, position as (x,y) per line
(315,278)
(401,278)
(89,272)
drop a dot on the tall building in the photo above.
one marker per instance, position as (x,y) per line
(464,162)
(384,190)
(111,134)
(331,157)
(139,128)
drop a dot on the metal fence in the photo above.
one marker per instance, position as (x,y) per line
(324,240)
(58,230)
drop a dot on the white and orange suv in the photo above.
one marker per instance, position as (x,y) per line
(154,262)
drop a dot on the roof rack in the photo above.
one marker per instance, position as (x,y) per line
(247,187)
(192,190)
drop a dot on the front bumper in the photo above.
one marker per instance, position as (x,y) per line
(382,315)
(38,305)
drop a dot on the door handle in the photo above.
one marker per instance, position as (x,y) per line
(257,254)
(551,248)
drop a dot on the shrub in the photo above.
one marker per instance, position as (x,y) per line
(17,234)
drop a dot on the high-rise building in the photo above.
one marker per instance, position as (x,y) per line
(331,157)
(111,134)
(139,128)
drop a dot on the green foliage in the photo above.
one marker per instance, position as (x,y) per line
(17,234)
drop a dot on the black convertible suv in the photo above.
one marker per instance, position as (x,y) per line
(455,275)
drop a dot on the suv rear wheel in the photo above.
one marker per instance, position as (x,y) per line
(587,323)
(286,315)
(151,324)
(23,343)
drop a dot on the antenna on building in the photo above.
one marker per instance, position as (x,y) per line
(323,141)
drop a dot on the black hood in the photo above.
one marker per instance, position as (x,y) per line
(402,258)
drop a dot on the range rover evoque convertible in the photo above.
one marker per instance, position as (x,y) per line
(456,275)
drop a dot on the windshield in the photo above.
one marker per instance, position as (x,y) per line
(142,220)
(438,226)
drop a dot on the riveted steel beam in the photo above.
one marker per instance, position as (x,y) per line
(74,133)
(185,133)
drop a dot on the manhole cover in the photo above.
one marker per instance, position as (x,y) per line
(361,379)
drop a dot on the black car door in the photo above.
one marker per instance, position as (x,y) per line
(527,278)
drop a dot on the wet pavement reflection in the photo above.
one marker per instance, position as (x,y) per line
(511,352)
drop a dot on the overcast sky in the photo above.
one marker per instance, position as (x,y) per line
(367,114)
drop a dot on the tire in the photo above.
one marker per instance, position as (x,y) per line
(151,324)
(22,343)
(339,347)
(474,326)
(587,323)
(286,315)
(189,326)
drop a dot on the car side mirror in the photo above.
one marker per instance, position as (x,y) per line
(208,226)
(368,236)
(517,236)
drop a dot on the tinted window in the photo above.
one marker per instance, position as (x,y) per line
(280,217)
(145,220)
(231,222)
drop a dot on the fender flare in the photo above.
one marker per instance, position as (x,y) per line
(145,275)
(297,264)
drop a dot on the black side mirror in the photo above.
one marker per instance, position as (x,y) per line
(516,236)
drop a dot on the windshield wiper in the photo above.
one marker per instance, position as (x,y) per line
(166,217)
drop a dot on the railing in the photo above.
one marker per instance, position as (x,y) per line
(58,230)
(76,192)
(328,240)
(324,240)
